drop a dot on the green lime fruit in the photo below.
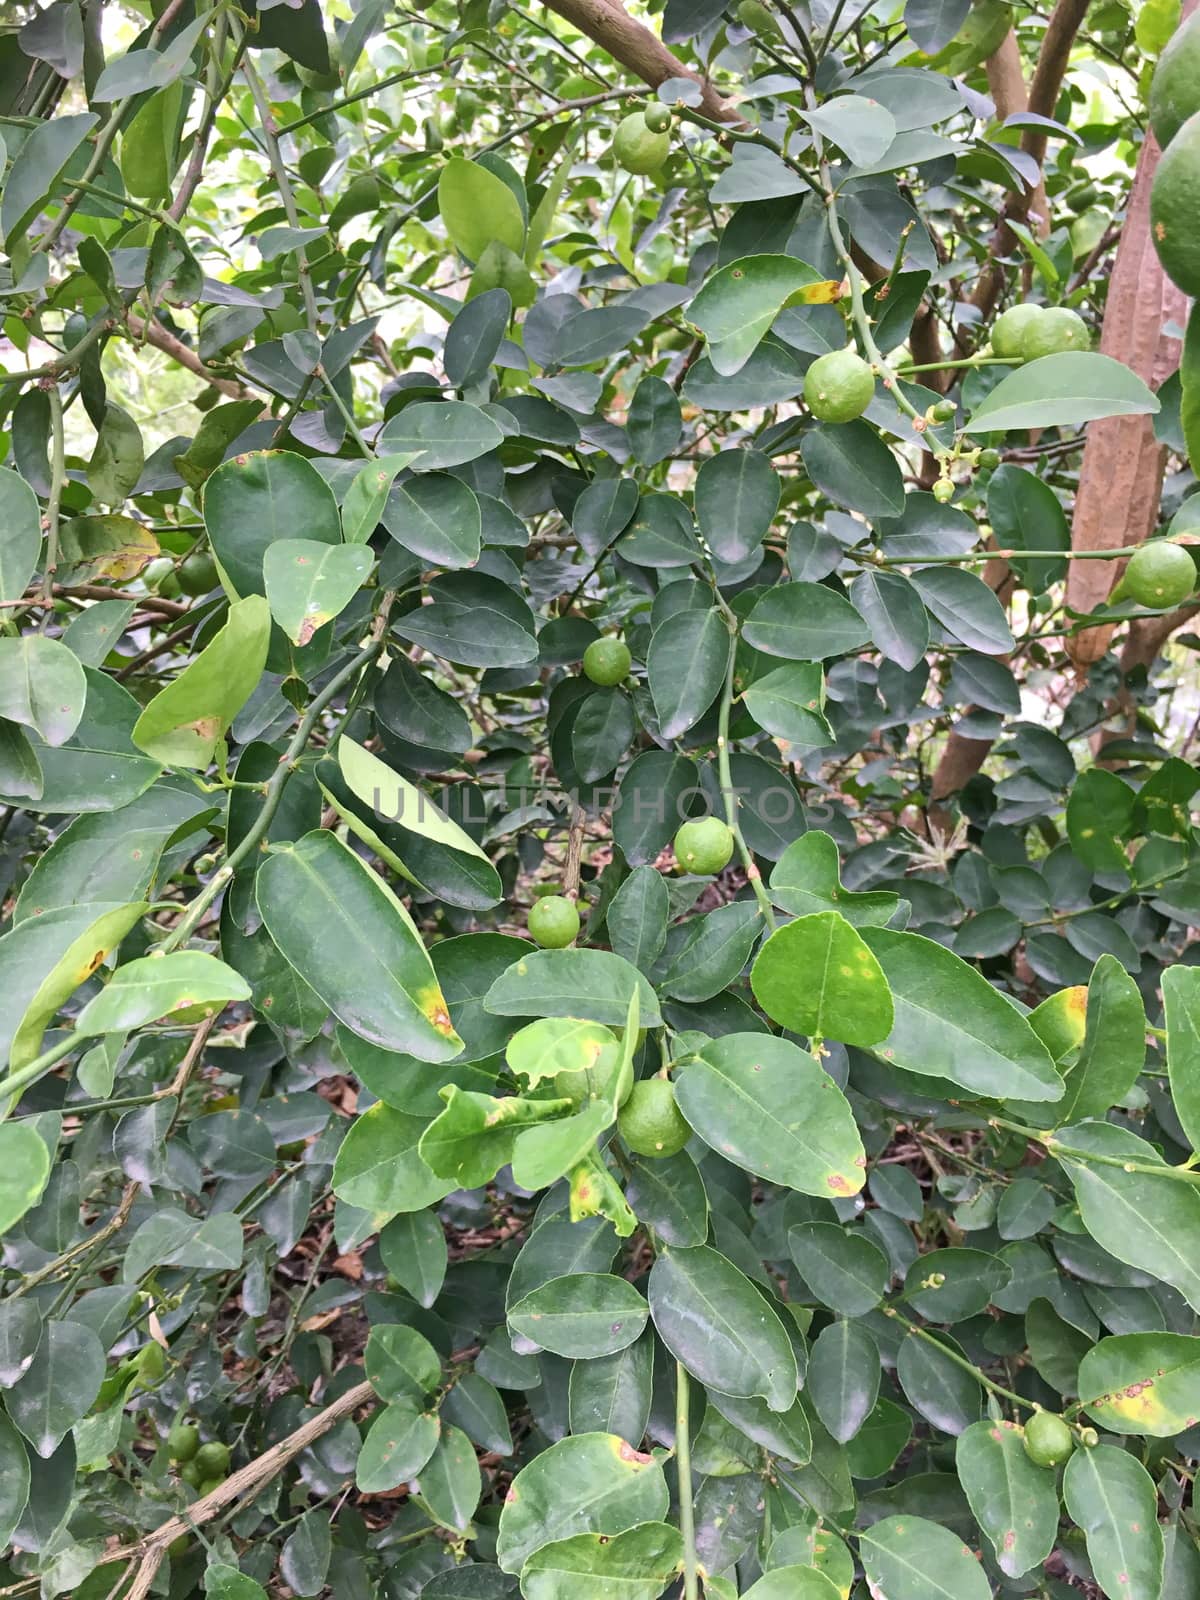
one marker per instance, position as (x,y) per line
(159,576)
(1175,87)
(637,147)
(553,922)
(207,1485)
(1056,330)
(1160,574)
(1175,205)
(990,459)
(839,386)
(658,117)
(703,845)
(606,661)
(1048,1440)
(183,1441)
(650,1122)
(943,491)
(1010,328)
(212,1459)
(945,411)
(189,1473)
(198,573)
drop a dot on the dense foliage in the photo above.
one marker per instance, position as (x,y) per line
(422,1172)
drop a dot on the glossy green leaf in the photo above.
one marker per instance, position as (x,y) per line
(142,991)
(21,539)
(686,662)
(401,1364)
(309,583)
(788,702)
(368,495)
(449,1483)
(475,1135)
(380,1169)
(413,1247)
(398,1444)
(478,209)
(953,1284)
(561,983)
(36,169)
(1147,1383)
(58,1386)
(1012,1500)
(14,1480)
(581,1316)
(1111,1496)
(738,304)
(713,1319)
(24,1168)
(42,686)
(355,945)
(766,1105)
(1181,1003)
(794,1583)
(950,1023)
(736,497)
(843,1377)
(633,1565)
(910,1558)
(441,434)
(1062,391)
(184,723)
(590,1483)
(804,622)
(842,994)
(844,1270)
(254,500)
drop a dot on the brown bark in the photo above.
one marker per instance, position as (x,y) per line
(154,333)
(634,46)
(1120,481)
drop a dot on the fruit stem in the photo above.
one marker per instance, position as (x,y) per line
(754,877)
(683,1464)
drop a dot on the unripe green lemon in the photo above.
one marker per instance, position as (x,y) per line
(650,1122)
(1048,1440)
(1175,87)
(839,386)
(1175,205)
(703,845)
(1010,327)
(183,1441)
(943,491)
(207,1485)
(945,411)
(1056,330)
(606,661)
(553,922)
(159,575)
(1160,574)
(198,573)
(212,1459)
(989,459)
(658,117)
(637,147)
(189,1473)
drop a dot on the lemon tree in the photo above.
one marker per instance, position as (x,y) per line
(597,887)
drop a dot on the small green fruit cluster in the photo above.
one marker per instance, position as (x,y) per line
(202,1466)
(1025,332)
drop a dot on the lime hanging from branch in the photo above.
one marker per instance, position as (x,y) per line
(650,1122)
(839,386)
(1048,1440)
(606,661)
(1160,574)
(637,147)
(553,922)
(703,845)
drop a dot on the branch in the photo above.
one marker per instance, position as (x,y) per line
(154,333)
(634,46)
(241,1484)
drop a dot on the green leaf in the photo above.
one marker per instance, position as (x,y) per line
(950,1023)
(852,466)
(309,583)
(397,800)
(860,127)
(184,723)
(910,1558)
(254,500)
(474,1136)
(1151,1222)
(543,1154)
(398,1444)
(738,304)
(1114,1047)
(843,1269)
(788,702)
(844,994)
(413,1247)
(171,1238)
(1062,391)
(1012,1500)
(794,1583)
(736,497)
(634,1565)
(1147,1383)
(581,1316)
(474,337)
(36,169)
(1025,513)
(304,1559)
(20,535)
(445,433)
(368,494)
(1100,811)
(804,622)
(478,209)
(939,1387)
(450,1481)
(590,1483)
(141,991)
(686,663)
(1181,1003)
(562,983)
(721,1327)
(24,1168)
(654,423)
(58,1386)
(223,1582)
(966,608)
(42,686)
(712,957)
(843,1377)
(118,458)
(14,1480)
(637,918)
(668,1194)
(895,613)
(355,945)
(552,1045)
(807,879)
(1112,1498)
(401,1363)
(379,1167)
(952,1284)
(765,1104)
